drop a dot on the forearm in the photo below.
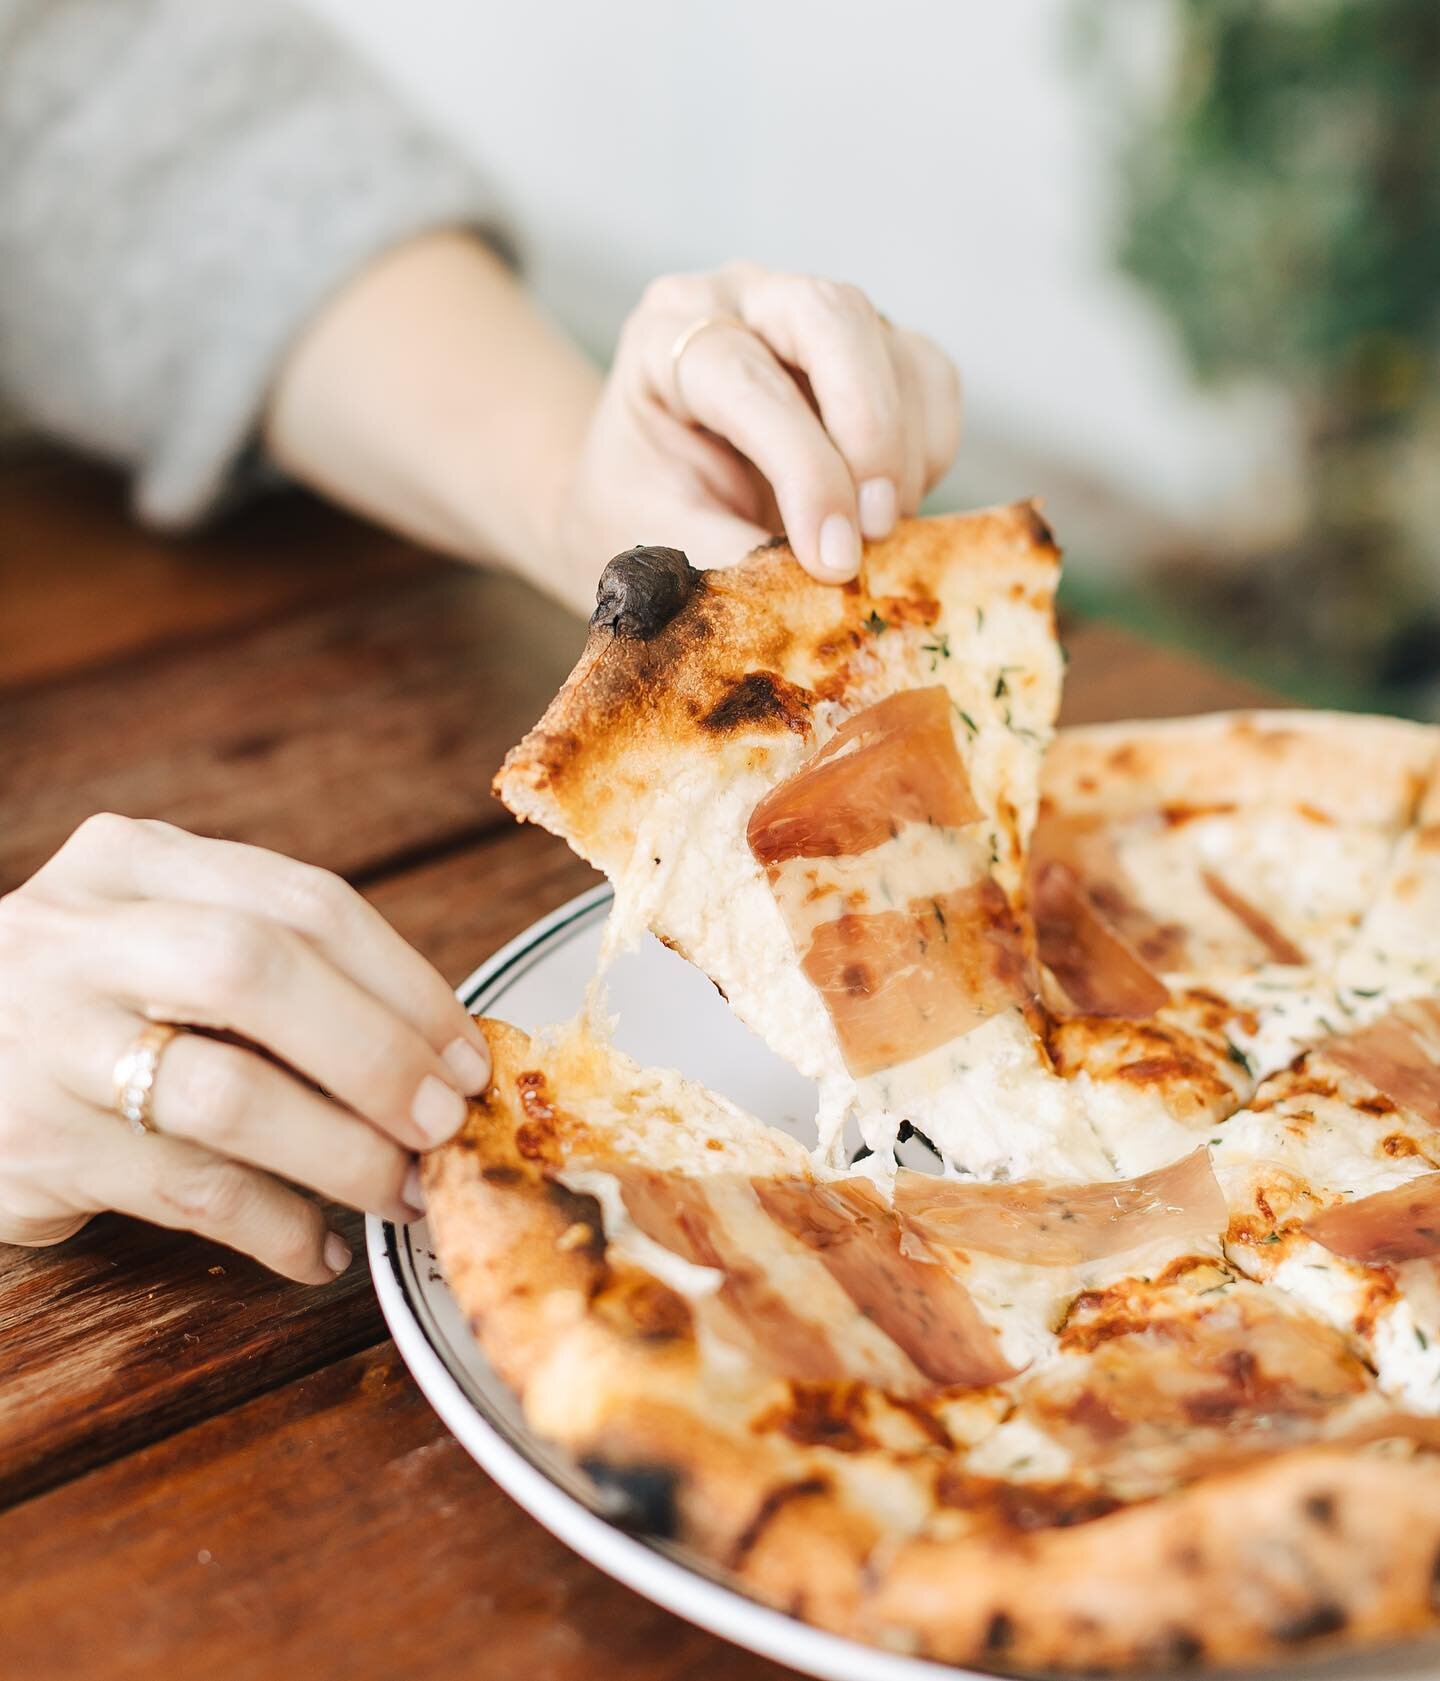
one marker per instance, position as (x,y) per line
(433,396)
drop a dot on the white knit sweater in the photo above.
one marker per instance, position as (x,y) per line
(182,182)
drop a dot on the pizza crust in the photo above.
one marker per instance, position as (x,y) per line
(1339,764)
(1310,1549)
(1307,1553)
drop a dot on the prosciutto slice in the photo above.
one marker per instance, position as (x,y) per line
(675,1212)
(895,762)
(1402,1224)
(891,1275)
(1279,947)
(1050,1225)
(1399,1055)
(1098,970)
(900,983)
(881,870)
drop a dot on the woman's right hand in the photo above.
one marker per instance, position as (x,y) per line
(134,922)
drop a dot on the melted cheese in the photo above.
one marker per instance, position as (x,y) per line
(1302,1153)
(692,878)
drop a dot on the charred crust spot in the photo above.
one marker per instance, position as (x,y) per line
(1156,1070)
(1323,1618)
(829,1415)
(1176,816)
(637,1497)
(923,1419)
(1023,1508)
(1038,527)
(780,542)
(1176,1648)
(654,1312)
(1435,1582)
(900,611)
(641,590)
(1319,1508)
(577,1208)
(760,699)
(1187,1560)
(999,1634)
(533,1090)
(500,1174)
(536,1138)
(765,1513)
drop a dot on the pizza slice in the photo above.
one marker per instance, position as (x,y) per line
(822,798)
(1333,1167)
(1200,885)
(1034,1425)
(1332,1172)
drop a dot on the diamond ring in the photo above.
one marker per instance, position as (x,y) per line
(135,1075)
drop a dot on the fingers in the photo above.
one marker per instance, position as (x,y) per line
(848,419)
(715,539)
(64,1161)
(237,1104)
(734,386)
(834,335)
(932,376)
(223,968)
(123,857)
(172,1182)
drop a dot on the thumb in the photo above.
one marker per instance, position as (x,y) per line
(711,539)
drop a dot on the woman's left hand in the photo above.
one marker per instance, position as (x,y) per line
(743,403)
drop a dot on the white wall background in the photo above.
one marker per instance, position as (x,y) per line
(944,154)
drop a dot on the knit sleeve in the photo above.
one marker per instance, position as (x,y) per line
(181,186)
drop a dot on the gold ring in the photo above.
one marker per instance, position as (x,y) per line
(135,1075)
(682,343)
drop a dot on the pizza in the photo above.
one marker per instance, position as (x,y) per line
(1100,1327)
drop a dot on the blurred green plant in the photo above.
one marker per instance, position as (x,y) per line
(1281,200)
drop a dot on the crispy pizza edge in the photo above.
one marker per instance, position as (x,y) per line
(717,667)
(1314,1552)
(1212,759)
(561,1321)
(1317,1550)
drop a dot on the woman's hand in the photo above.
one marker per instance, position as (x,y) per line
(431,394)
(745,403)
(134,922)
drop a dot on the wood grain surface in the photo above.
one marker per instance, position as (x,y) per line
(205,1470)
(331,1529)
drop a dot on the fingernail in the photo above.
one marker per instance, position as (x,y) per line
(470,1066)
(839,548)
(337,1253)
(412,1192)
(878,508)
(438,1110)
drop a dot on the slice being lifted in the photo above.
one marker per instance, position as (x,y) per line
(822,797)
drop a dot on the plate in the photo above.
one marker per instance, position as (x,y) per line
(667,1015)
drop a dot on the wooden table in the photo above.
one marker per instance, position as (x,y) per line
(205,1471)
